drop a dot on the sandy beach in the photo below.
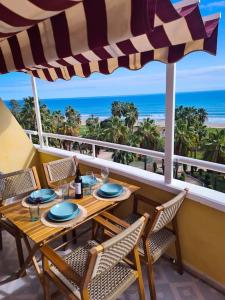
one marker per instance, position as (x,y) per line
(161,123)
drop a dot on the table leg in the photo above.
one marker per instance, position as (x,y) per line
(35,263)
(30,258)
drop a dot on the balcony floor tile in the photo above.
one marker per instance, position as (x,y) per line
(169,284)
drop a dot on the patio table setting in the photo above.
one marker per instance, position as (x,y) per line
(45,215)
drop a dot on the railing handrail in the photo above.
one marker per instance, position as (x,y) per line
(33,132)
(176,158)
(200,163)
(105,144)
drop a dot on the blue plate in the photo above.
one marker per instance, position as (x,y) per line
(89,180)
(51,217)
(103,195)
(63,210)
(45,194)
(111,189)
(33,200)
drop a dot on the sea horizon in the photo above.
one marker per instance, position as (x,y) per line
(149,105)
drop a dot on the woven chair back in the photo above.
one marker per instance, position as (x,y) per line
(117,248)
(60,169)
(18,183)
(168,211)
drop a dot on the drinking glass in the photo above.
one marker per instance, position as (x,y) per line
(65,191)
(87,190)
(35,210)
(104,174)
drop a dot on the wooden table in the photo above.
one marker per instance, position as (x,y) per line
(40,234)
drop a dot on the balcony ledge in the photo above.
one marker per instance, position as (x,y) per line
(196,193)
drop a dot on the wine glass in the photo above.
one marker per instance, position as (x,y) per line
(62,190)
(90,174)
(104,174)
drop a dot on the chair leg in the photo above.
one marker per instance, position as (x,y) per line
(150,272)
(151,281)
(94,230)
(19,251)
(65,239)
(141,289)
(179,257)
(46,288)
(74,234)
(178,249)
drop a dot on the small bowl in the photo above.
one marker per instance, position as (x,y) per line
(111,189)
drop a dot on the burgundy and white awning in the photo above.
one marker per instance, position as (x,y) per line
(64,38)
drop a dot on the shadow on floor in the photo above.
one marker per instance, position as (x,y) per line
(169,284)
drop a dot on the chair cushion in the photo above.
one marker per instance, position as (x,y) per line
(106,286)
(158,242)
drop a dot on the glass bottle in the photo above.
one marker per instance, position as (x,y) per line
(78,184)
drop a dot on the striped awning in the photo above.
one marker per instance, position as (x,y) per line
(62,38)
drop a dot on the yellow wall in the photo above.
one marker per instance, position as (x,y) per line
(202,230)
(16,150)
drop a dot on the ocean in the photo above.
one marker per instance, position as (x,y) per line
(152,106)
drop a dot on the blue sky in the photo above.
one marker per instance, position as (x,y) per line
(196,72)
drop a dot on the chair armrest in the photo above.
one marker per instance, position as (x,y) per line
(107,225)
(146,200)
(60,264)
(115,219)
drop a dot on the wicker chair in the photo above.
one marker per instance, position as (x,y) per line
(97,271)
(156,238)
(61,169)
(57,170)
(13,187)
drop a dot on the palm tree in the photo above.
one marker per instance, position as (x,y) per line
(15,109)
(198,137)
(92,121)
(93,131)
(72,117)
(117,109)
(215,146)
(131,116)
(28,118)
(191,115)
(203,115)
(70,126)
(46,118)
(124,157)
(184,136)
(57,120)
(116,132)
(148,135)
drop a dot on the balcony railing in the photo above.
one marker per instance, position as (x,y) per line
(176,158)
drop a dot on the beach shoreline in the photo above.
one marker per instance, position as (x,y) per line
(159,122)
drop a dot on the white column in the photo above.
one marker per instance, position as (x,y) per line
(93,150)
(37,111)
(170,121)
